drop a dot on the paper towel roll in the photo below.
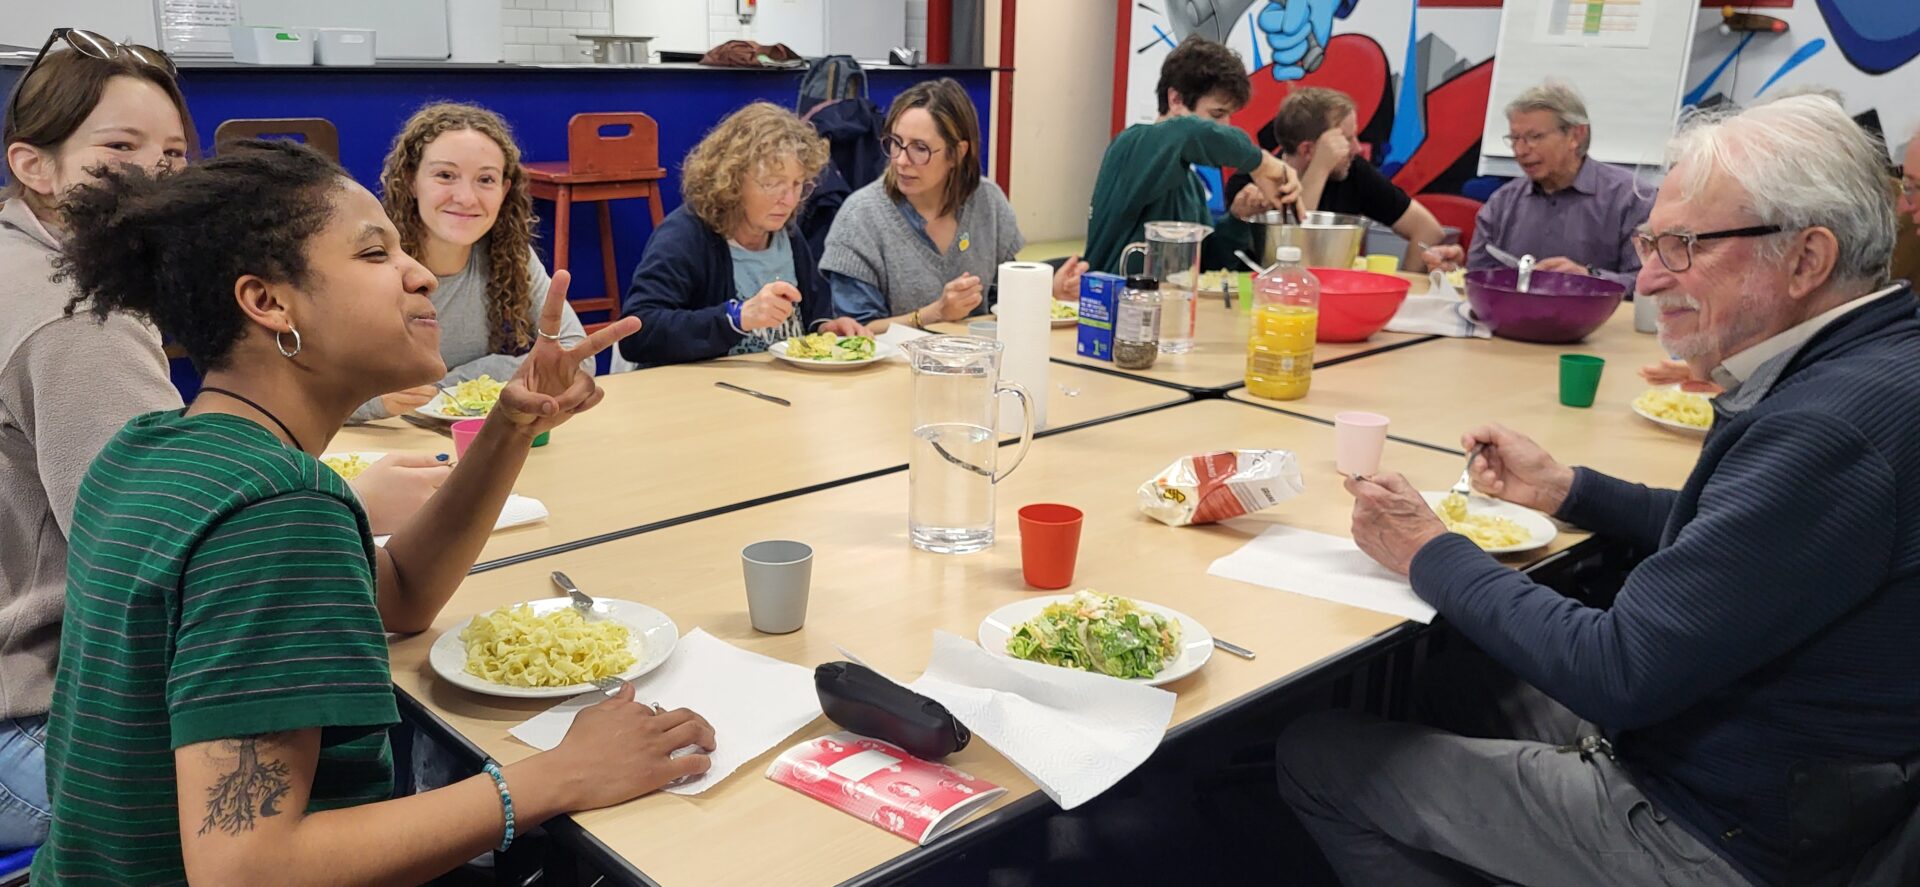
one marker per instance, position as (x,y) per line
(473,31)
(1026,326)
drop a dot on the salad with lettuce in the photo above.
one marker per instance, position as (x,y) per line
(830,346)
(1099,633)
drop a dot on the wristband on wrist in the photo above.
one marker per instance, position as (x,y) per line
(733,317)
(506,803)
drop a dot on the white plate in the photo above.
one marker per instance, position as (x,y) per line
(1196,643)
(1540,528)
(1669,424)
(651,637)
(881,351)
(431,410)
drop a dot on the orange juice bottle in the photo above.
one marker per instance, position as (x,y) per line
(1286,315)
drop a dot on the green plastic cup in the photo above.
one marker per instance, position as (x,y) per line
(1579,379)
(1243,281)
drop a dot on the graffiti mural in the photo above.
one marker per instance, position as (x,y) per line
(1420,76)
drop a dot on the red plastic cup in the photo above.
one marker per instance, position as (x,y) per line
(1049,544)
(463,432)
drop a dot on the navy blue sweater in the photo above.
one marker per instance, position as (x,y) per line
(1776,628)
(681,290)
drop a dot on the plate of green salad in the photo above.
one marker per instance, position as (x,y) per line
(1105,634)
(830,351)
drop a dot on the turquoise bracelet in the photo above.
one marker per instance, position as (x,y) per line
(506,802)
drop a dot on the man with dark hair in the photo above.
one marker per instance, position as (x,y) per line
(1146,174)
(1316,131)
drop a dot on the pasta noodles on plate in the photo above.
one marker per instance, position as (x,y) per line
(1486,530)
(513,646)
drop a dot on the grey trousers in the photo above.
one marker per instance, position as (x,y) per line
(1491,800)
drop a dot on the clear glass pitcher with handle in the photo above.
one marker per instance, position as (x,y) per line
(953,467)
(1172,256)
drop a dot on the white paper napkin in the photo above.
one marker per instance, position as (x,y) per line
(1330,568)
(753,703)
(1073,733)
(518,511)
(1441,312)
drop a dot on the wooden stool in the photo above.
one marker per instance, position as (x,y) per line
(317,132)
(599,168)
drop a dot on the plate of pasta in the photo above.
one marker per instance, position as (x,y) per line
(545,649)
(471,400)
(1675,410)
(1498,527)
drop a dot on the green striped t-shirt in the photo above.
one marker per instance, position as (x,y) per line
(219,585)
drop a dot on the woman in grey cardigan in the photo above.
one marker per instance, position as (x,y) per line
(922,243)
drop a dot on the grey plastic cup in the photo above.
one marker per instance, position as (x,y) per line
(778,574)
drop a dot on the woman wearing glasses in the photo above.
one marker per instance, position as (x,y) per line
(454,186)
(68,384)
(728,272)
(921,244)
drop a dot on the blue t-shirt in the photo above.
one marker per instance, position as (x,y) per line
(753,269)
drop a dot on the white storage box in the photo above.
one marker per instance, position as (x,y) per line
(343,46)
(255,45)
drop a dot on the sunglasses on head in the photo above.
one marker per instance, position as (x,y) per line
(92,45)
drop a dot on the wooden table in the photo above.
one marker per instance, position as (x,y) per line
(1439,390)
(882,599)
(666,443)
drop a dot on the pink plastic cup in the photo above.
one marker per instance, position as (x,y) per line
(1358,440)
(463,433)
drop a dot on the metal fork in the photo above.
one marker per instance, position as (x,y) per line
(1464,486)
(581,601)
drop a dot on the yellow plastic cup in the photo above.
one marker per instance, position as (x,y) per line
(1383,264)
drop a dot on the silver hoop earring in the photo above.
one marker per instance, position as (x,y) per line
(283,345)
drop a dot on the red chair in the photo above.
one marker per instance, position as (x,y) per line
(1453,211)
(612,156)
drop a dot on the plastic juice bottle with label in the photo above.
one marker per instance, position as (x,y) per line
(1286,314)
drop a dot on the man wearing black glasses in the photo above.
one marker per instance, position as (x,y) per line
(1747,709)
(1568,210)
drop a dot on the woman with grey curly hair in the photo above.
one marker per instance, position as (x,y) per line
(728,272)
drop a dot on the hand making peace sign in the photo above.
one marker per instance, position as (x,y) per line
(550,386)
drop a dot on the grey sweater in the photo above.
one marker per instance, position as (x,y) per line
(873,242)
(461,301)
(67,385)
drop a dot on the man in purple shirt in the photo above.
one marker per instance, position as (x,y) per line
(1575,214)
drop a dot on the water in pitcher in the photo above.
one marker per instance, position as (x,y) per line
(950,478)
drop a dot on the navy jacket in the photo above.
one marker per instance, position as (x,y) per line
(682,287)
(1763,664)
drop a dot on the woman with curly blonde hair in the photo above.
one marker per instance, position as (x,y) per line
(454,186)
(728,272)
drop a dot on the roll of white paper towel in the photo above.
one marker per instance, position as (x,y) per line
(1026,326)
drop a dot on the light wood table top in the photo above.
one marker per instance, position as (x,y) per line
(666,443)
(1436,392)
(882,599)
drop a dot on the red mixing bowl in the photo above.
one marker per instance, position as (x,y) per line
(1556,308)
(1356,304)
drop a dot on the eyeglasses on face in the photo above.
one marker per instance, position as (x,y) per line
(918,152)
(1675,248)
(1530,139)
(776,189)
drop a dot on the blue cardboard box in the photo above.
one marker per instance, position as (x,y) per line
(1099,299)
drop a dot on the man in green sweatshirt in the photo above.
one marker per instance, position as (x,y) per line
(1147,172)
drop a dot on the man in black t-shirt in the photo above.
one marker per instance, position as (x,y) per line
(1316,132)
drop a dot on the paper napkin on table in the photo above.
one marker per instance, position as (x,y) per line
(752,701)
(1440,312)
(1330,568)
(1073,733)
(518,511)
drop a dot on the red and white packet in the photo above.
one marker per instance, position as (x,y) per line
(880,783)
(1216,486)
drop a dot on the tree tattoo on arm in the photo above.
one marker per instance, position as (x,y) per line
(249,787)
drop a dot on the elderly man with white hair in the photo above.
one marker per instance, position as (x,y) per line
(1572,212)
(1747,710)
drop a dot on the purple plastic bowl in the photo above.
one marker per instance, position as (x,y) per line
(1558,308)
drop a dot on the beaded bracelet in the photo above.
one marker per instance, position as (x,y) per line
(506,802)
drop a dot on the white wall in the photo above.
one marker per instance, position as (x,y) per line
(543,30)
(1062,105)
